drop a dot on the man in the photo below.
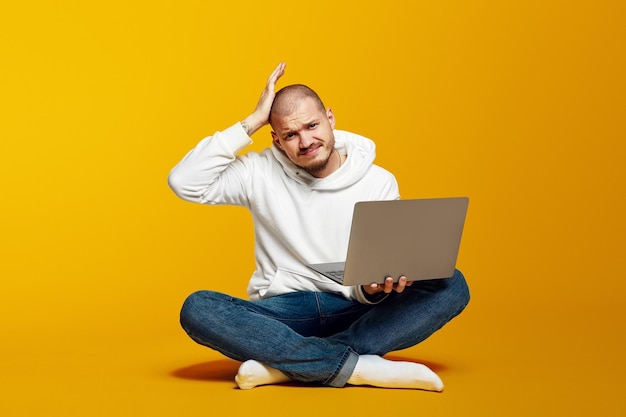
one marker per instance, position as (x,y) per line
(299,325)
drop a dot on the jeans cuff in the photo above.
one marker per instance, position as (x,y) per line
(345,372)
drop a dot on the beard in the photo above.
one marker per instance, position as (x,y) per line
(316,167)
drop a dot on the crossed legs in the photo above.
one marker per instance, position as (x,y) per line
(323,338)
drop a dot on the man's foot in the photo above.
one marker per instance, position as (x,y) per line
(376,371)
(252,373)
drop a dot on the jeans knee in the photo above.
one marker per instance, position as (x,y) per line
(190,310)
(461,290)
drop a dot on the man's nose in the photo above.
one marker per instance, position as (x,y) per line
(306,139)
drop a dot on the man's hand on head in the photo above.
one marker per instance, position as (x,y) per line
(261,114)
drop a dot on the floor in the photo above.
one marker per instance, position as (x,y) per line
(492,361)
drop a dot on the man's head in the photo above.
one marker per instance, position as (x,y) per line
(303,129)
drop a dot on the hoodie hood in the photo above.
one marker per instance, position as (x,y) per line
(361,153)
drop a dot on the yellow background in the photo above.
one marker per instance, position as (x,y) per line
(518,105)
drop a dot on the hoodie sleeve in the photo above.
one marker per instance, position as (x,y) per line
(362,297)
(193,178)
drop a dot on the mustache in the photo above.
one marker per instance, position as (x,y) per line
(310,147)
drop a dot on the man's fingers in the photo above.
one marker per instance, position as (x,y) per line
(398,286)
(388,285)
(401,284)
(276,74)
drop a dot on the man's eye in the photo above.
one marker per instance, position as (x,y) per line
(313,125)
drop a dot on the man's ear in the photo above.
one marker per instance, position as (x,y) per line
(331,118)
(276,141)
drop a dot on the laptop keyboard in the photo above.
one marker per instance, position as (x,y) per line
(337,275)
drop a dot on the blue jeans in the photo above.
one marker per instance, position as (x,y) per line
(318,337)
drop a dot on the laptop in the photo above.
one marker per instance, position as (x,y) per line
(417,238)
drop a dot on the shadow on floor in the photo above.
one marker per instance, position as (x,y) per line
(219,370)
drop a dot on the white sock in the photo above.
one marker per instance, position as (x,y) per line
(376,371)
(252,373)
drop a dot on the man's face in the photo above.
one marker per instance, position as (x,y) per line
(306,137)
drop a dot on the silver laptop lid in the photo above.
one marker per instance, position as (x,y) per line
(418,238)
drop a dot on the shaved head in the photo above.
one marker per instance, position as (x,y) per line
(288,98)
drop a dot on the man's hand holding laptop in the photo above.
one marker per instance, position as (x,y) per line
(388,286)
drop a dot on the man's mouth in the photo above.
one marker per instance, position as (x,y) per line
(310,151)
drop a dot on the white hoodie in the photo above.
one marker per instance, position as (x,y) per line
(298,219)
